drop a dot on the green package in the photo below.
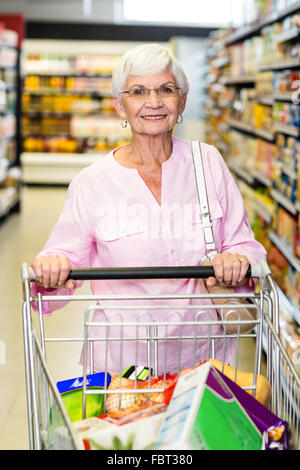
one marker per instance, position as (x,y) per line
(204,414)
(71,391)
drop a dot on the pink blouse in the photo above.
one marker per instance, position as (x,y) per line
(111,218)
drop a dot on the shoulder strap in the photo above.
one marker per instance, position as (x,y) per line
(204,206)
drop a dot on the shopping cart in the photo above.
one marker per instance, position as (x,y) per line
(49,424)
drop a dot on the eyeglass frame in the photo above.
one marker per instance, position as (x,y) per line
(150,89)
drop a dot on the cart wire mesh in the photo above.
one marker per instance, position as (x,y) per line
(49,424)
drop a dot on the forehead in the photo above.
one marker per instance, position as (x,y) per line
(150,80)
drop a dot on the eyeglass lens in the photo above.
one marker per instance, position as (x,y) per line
(162,91)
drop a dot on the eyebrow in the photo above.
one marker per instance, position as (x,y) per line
(143,86)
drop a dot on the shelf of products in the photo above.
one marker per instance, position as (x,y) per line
(67,108)
(10,174)
(260,87)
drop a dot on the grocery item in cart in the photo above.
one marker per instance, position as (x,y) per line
(147,409)
(123,400)
(246,379)
(278,437)
(205,414)
(261,415)
(100,434)
(71,392)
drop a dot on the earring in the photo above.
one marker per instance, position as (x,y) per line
(124,124)
(181,119)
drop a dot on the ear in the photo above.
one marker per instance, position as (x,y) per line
(182,103)
(119,108)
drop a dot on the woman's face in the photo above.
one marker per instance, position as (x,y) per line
(151,114)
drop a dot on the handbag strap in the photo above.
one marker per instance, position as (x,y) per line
(211,250)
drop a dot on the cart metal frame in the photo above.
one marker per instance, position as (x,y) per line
(49,425)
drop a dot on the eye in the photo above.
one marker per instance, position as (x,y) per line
(166,89)
(139,91)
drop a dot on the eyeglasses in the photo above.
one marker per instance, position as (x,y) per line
(163,91)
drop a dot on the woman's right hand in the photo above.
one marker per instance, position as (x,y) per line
(52,271)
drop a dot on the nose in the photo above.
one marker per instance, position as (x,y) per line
(153,98)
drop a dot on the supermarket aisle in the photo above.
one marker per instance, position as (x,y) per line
(21,237)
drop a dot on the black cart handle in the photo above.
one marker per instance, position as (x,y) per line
(260,269)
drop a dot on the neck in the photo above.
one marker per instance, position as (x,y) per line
(150,150)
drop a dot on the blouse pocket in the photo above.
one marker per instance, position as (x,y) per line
(116,230)
(123,243)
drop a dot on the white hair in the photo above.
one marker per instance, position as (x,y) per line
(147,59)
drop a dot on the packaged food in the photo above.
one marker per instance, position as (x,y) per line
(123,400)
(100,434)
(277,437)
(71,392)
(135,413)
(204,414)
(246,379)
(261,416)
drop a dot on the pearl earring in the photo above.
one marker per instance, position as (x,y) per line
(124,124)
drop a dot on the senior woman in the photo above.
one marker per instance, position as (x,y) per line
(139,206)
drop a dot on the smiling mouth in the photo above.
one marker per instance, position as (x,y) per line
(156,117)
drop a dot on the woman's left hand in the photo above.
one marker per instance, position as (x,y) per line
(230,269)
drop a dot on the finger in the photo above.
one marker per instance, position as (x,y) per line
(45,266)
(211,281)
(218,268)
(54,271)
(36,266)
(244,264)
(227,271)
(64,270)
(236,270)
(70,284)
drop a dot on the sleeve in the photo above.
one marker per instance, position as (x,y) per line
(71,236)
(236,233)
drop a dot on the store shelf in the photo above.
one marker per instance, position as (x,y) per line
(54,168)
(283,96)
(255,29)
(58,92)
(8,201)
(61,114)
(284,201)
(287,170)
(240,80)
(262,178)
(287,307)
(221,62)
(244,127)
(285,250)
(262,92)
(264,134)
(67,107)
(288,63)
(288,35)
(266,100)
(241,172)
(264,213)
(240,125)
(244,33)
(10,123)
(286,129)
